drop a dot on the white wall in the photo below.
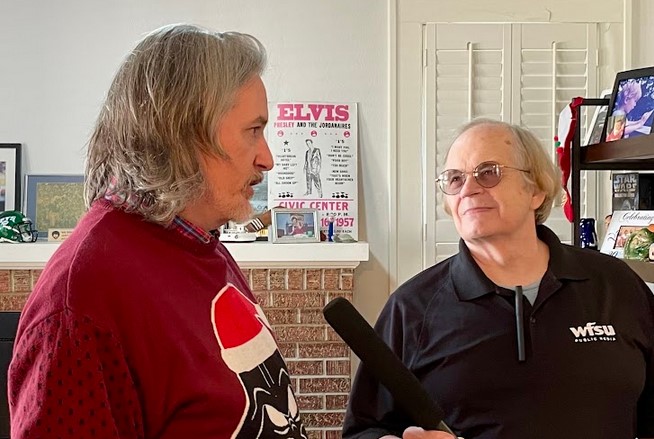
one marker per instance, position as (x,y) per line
(58,59)
(643,47)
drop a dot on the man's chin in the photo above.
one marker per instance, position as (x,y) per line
(243,214)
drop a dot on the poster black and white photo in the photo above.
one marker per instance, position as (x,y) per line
(314,146)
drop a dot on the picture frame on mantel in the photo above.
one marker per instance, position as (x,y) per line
(10,176)
(295,225)
(54,203)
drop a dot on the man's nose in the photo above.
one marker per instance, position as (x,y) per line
(264,160)
(470,186)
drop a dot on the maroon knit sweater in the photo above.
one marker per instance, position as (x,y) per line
(137,331)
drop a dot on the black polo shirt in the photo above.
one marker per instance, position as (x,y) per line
(589,369)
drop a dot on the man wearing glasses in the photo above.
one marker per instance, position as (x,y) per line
(518,335)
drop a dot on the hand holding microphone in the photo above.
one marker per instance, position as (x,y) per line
(387,368)
(419,433)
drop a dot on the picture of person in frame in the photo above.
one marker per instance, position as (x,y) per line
(634,99)
(295,225)
(623,234)
(298,226)
(617,123)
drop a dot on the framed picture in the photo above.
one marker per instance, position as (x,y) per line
(623,223)
(295,225)
(54,203)
(631,108)
(596,126)
(10,176)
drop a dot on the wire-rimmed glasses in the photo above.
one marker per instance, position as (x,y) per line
(487,174)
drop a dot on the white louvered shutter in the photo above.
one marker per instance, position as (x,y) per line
(552,64)
(466,78)
(520,73)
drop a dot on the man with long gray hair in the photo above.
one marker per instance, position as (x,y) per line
(142,324)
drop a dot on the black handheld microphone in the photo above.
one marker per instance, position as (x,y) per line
(384,365)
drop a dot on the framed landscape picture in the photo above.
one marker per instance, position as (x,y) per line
(10,176)
(54,202)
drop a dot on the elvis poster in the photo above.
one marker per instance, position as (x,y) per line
(314,145)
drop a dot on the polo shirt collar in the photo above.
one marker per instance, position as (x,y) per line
(470,282)
(563,264)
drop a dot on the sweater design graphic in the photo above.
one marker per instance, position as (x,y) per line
(249,350)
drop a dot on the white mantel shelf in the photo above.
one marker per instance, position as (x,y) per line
(247,254)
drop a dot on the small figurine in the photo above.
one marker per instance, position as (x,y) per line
(330,230)
(16,227)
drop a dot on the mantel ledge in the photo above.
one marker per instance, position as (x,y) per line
(247,254)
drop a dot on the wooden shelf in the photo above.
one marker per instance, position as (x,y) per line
(633,153)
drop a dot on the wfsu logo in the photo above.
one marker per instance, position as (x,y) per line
(593,332)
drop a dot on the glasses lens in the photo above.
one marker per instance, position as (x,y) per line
(451,181)
(488,174)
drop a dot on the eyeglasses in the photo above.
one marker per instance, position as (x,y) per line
(487,174)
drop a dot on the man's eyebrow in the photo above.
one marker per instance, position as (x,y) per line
(261,120)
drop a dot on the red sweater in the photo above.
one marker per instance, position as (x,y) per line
(137,331)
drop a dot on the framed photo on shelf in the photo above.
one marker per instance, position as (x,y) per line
(54,203)
(596,126)
(623,223)
(10,176)
(295,225)
(631,107)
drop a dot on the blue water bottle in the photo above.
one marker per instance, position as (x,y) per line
(587,235)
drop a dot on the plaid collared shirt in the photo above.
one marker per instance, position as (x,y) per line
(179,224)
(192,231)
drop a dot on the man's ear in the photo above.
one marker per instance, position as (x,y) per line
(537,199)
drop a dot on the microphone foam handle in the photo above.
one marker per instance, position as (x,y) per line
(382,363)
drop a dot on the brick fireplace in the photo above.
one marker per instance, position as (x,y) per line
(292,298)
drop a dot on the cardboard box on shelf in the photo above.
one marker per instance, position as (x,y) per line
(633,191)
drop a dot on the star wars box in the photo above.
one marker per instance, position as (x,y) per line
(632,191)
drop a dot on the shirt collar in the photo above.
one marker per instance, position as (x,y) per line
(190,230)
(564,264)
(179,224)
(470,282)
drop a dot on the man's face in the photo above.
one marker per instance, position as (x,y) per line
(487,213)
(229,181)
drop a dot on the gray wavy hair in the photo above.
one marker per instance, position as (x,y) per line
(161,111)
(530,154)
